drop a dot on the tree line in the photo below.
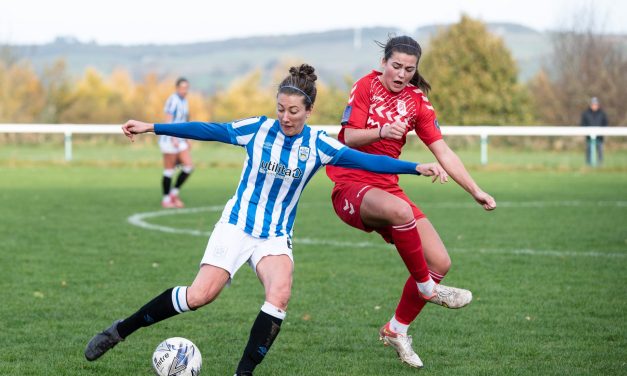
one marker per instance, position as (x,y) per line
(473,75)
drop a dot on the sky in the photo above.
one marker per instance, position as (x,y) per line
(185,21)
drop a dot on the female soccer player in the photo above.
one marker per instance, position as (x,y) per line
(382,109)
(256,224)
(175,150)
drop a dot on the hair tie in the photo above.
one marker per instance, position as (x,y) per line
(297,89)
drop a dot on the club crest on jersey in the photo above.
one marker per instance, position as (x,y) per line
(401,107)
(303,153)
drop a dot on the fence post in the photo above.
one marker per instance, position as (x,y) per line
(484,149)
(593,151)
(68,145)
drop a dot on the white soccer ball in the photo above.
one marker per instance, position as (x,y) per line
(177,357)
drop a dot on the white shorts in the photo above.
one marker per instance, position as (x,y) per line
(167,146)
(230,247)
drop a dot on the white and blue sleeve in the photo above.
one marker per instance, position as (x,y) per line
(242,131)
(329,149)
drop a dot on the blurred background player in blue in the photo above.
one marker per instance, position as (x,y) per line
(176,151)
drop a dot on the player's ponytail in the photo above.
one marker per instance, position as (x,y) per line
(301,81)
(409,46)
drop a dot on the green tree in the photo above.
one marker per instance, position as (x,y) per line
(330,103)
(474,77)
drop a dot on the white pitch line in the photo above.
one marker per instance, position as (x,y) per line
(139,220)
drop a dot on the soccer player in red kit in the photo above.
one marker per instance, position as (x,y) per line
(382,109)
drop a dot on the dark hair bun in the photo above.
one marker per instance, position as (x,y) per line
(305,71)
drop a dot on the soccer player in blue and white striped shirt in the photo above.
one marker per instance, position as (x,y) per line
(257,222)
(175,150)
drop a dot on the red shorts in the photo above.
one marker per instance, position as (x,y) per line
(347,200)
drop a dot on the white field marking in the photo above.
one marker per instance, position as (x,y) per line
(139,220)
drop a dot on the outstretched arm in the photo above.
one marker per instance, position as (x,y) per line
(383,164)
(454,167)
(194,130)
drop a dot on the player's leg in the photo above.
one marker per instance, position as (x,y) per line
(226,251)
(381,209)
(185,159)
(275,273)
(169,164)
(439,262)
(208,283)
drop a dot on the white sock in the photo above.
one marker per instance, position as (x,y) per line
(179,299)
(398,327)
(426,288)
(273,311)
(174,191)
(166,198)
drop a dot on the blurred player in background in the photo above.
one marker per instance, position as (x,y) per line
(257,222)
(175,150)
(382,109)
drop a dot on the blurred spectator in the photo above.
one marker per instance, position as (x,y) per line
(594,116)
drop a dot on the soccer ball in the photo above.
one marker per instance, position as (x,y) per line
(176,357)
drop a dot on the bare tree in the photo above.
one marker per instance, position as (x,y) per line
(586,62)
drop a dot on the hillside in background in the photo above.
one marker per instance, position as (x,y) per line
(336,54)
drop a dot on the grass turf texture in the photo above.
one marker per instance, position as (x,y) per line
(549,280)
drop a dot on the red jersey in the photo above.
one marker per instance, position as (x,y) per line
(371,105)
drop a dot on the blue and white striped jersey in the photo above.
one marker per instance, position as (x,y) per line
(178,108)
(277,168)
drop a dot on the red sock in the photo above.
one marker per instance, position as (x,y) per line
(411,302)
(407,242)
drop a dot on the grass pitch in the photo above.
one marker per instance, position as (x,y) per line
(547,270)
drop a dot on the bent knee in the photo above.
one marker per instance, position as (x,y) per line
(400,213)
(279,296)
(198,297)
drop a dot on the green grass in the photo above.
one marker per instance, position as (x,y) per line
(547,270)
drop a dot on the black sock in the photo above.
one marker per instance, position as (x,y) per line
(263,333)
(181,179)
(166,182)
(158,309)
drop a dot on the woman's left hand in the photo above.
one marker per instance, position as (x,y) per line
(433,169)
(485,200)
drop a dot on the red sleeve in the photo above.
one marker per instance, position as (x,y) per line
(427,126)
(357,111)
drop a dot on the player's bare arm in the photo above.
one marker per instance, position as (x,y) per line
(455,168)
(360,137)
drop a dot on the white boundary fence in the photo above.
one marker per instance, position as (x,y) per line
(484,132)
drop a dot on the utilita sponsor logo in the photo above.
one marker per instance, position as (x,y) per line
(280,170)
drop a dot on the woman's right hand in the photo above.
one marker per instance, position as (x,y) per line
(133,127)
(394,131)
